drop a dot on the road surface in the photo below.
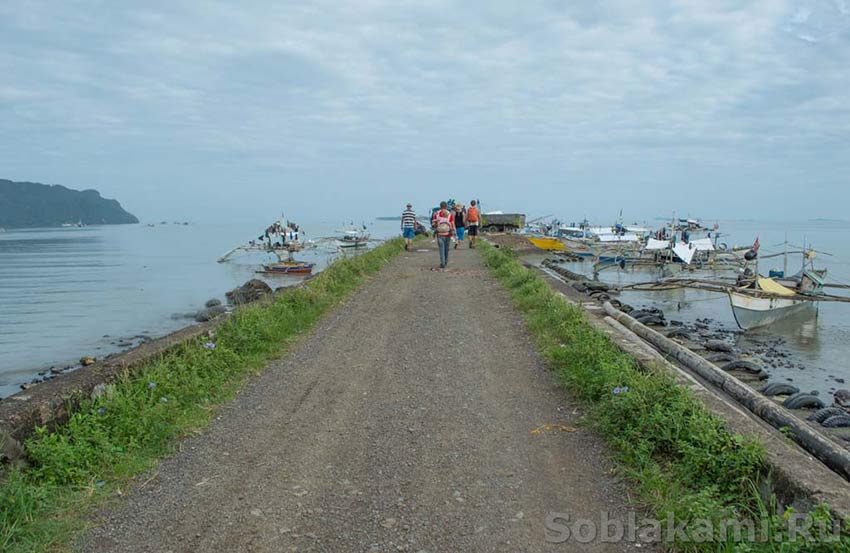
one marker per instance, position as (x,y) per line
(404,422)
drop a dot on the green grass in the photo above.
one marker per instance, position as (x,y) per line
(678,457)
(127,430)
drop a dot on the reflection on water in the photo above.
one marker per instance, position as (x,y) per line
(65,293)
(813,346)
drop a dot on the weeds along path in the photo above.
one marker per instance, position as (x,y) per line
(413,418)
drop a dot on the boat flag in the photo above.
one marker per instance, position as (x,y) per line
(756,245)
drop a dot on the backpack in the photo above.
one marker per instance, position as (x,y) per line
(443,223)
(472,215)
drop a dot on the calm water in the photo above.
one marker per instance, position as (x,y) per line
(820,343)
(66,293)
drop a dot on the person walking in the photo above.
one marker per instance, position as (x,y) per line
(473,221)
(444,230)
(460,223)
(408,226)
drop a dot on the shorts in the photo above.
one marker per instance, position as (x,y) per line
(460,231)
(408,233)
(472,230)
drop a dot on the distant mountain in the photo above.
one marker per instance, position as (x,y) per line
(30,204)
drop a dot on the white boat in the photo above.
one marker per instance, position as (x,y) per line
(353,238)
(281,238)
(752,311)
(769,301)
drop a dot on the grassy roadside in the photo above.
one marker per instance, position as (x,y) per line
(125,431)
(679,458)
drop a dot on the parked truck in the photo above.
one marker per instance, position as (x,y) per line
(502,222)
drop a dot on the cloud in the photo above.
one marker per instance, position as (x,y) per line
(310,87)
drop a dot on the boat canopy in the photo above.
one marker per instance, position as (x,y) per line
(770,285)
(703,244)
(627,237)
(653,244)
(685,252)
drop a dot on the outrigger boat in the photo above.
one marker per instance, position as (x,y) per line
(759,301)
(547,243)
(353,238)
(768,301)
(763,301)
(280,238)
(289,267)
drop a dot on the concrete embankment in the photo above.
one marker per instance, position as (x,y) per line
(51,402)
(796,476)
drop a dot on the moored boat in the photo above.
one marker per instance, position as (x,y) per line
(288,268)
(767,301)
(546,243)
(353,238)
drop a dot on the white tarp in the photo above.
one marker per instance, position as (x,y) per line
(627,237)
(703,245)
(653,244)
(685,252)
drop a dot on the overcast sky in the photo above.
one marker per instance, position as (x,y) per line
(240,109)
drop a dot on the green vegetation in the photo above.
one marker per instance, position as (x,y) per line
(30,204)
(125,431)
(679,458)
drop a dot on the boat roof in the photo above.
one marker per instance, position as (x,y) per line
(816,277)
(610,237)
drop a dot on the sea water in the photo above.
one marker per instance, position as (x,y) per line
(73,292)
(815,346)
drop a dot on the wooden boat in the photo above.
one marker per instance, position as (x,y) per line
(353,239)
(288,268)
(769,300)
(281,237)
(754,311)
(548,244)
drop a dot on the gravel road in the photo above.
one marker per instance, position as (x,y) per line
(402,423)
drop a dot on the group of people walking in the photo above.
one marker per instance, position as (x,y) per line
(449,224)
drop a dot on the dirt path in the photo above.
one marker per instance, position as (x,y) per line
(403,423)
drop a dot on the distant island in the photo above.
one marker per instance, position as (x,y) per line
(31,204)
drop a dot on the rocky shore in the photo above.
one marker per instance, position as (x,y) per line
(251,291)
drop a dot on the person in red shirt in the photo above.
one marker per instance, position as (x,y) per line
(444,224)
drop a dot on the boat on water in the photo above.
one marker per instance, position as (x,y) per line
(769,300)
(353,238)
(281,238)
(762,301)
(547,243)
(289,267)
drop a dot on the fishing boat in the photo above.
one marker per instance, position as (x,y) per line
(547,243)
(280,238)
(353,238)
(288,268)
(765,300)
(767,304)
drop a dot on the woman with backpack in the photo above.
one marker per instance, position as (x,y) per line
(473,221)
(444,229)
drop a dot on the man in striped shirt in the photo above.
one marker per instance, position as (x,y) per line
(408,226)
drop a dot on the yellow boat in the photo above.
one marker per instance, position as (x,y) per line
(548,244)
